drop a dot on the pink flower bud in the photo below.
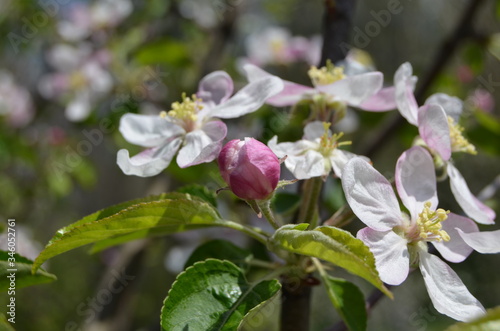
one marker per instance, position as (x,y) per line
(250,168)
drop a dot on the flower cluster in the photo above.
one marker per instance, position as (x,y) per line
(398,236)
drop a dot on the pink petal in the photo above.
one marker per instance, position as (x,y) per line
(391,254)
(434,130)
(416,180)
(474,208)
(447,292)
(370,196)
(215,87)
(452,106)
(485,242)
(354,90)
(291,94)
(404,84)
(456,250)
(383,100)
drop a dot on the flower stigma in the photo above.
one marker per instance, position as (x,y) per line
(329,142)
(326,75)
(429,224)
(458,142)
(185,112)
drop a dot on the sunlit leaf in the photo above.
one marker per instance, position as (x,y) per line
(333,245)
(20,267)
(213,295)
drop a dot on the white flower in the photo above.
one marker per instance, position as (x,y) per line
(190,128)
(317,154)
(399,241)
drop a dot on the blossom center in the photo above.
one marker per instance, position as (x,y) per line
(328,142)
(326,75)
(77,80)
(458,142)
(185,112)
(429,224)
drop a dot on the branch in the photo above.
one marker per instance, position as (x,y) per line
(337,22)
(463,31)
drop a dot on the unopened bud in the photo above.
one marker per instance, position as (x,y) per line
(250,168)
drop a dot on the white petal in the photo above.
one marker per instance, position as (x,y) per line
(404,83)
(339,158)
(474,208)
(215,87)
(447,292)
(391,254)
(248,99)
(354,89)
(452,106)
(486,242)
(456,250)
(370,196)
(148,130)
(150,162)
(416,180)
(203,145)
(314,130)
(383,100)
(434,130)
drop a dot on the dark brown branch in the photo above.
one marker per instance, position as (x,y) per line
(337,22)
(463,31)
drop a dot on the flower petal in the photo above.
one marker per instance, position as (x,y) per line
(314,130)
(474,208)
(370,195)
(248,99)
(215,87)
(447,292)
(150,162)
(456,250)
(434,130)
(485,242)
(452,106)
(148,130)
(339,158)
(302,159)
(79,108)
(203,145)
(383,100)
(391,254)
(404,84)
(416,180)
(354,90)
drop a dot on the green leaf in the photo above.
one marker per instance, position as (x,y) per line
(490,321)
(167,213)
(23,275)
(333,245)
(348,300)
(221,250)
(494,44)
(4,325)
(213,295)
(201,192)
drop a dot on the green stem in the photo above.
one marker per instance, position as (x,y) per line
(256,233)
(311,193)
(265,207)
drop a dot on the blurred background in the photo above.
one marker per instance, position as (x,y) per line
(70,69)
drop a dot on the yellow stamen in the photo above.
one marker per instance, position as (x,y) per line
(186,110)
(329,142)
(429,224)
(325,75)
(458,142)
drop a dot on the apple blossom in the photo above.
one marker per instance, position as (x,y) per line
(316,154)
(399,241)
(190,127)
(15,101)
(437,122)
(250,168)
